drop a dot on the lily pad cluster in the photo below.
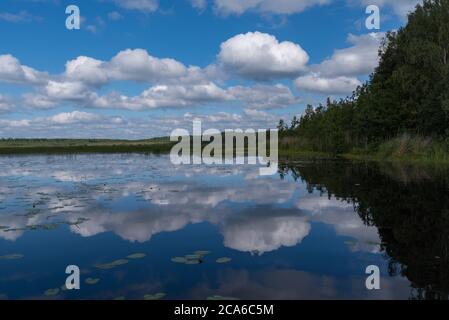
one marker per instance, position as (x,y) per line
(135,256)
(223,260)
(112,265)
(120,262)
(92,281)
(39,204)
(191,259)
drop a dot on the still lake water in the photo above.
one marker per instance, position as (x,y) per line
(308,232)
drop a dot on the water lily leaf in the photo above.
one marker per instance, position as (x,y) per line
(179,260)
(157,296)
(113,264)
(137,256)
(193,257)
(92,281)
(224,260)
(193,262)
(52,292)
(119,262)
(105,266)
(14,256)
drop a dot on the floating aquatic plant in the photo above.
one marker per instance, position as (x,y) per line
(120,262)
(179,260)
(136,256)
(92,281)
(52,292)
(193,257)
(113,264)
(120,298)
(105,266)
(157,296)
(224,260)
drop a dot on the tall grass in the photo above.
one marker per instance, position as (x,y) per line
(414,147)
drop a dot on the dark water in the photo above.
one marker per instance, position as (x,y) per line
(307,233)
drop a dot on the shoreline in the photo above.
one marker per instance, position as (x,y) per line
(78,146)
(155,149)
(163,146)
(313,155)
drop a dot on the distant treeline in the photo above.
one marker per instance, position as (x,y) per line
(405,103)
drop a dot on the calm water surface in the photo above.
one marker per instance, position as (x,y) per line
(307,233)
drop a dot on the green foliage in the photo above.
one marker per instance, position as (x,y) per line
(415,147)
(408,206)
(61,146)
(406,96)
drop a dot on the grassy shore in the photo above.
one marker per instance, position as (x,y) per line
(405,148)
(64,146)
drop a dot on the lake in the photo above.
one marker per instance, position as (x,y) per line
(139,227)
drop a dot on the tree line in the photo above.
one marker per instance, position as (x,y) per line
(408,93)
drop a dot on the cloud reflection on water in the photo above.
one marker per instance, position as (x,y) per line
(137,197)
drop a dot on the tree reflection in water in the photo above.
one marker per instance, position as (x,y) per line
(408,204)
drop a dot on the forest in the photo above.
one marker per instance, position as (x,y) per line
(401,111)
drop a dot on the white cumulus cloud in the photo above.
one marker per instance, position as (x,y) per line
(199,4)
(264,96)
(261,56)
(338,73)
(129,64)
(265,234)
(5,104)
(338,85)
(11,70)
(165,96)
(359,59)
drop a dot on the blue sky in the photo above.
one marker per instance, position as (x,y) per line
(142,68)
